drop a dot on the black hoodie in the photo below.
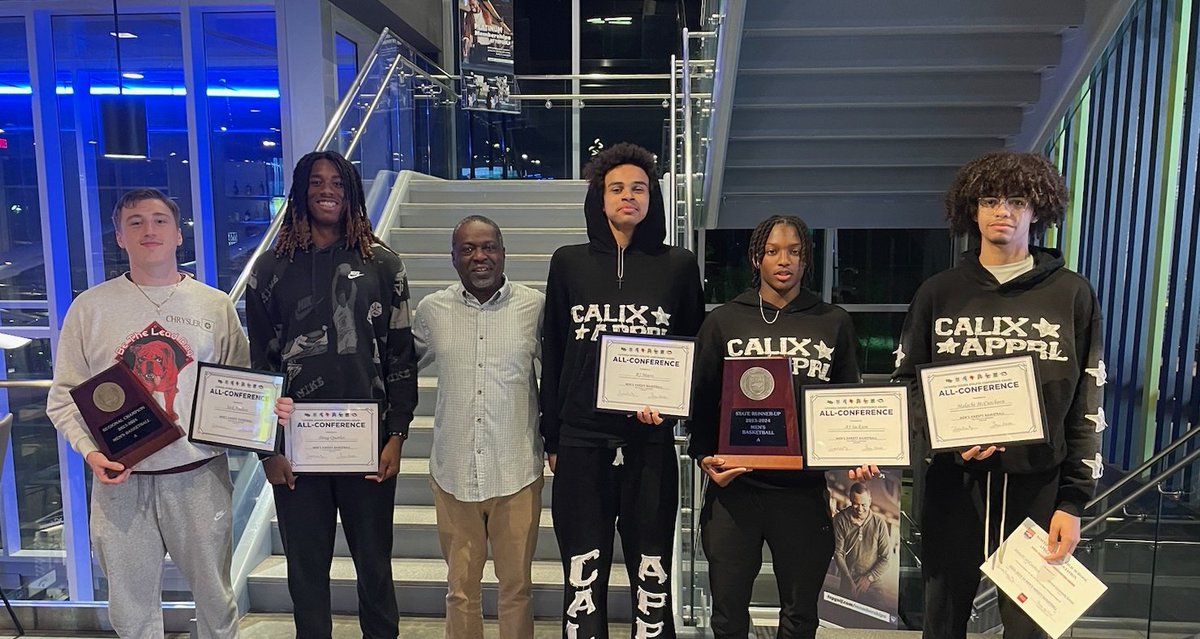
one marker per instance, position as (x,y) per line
(818,338)
(659,294)
(1050,313)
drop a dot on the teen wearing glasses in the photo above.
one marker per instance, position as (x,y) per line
(1006,298)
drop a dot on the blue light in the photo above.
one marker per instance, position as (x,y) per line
(213,92)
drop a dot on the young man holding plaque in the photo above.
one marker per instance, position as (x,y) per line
(486,463)
(786,509)
(1005,298)
(160,323)
(614,468)
(329,309)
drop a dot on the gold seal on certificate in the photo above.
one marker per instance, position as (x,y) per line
(983,402)
(333,438)
(849,425)
(640,371)
(235,408)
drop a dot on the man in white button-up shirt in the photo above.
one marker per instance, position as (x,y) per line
(484,334)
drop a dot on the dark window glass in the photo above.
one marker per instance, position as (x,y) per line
(885,266)
(878,334)
(727,270)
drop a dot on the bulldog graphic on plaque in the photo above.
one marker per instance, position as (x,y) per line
(759,427)
(126,422)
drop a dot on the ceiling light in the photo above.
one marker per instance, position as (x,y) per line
(132,75)
(124,35)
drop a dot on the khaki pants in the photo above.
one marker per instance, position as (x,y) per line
(465,529)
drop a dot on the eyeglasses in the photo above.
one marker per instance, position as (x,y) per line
(1013,203)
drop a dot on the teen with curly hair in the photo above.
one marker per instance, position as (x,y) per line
(329,308)
(1006,298)
(788,510)
(612,468)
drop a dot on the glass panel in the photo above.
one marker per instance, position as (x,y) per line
(727,270)
(22,272)
(242,72)
(878,334)
(85,56)
(533,145)
(347,63)
(885,266)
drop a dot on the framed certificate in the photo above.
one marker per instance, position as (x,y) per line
(758,426)
(235,408)
(333,438)
(124,419)
(847,425)
(636,372)
(983,402)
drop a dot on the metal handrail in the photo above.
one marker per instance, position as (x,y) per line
(1146,465)
(25,383)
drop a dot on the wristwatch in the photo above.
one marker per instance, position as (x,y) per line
(392,434)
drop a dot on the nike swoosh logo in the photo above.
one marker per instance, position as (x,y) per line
(355,275)
(304,307)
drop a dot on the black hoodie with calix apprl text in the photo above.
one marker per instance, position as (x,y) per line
(647,288)
(818,340)
(1050,313)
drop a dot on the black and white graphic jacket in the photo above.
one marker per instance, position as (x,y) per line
(817,338)
(338,326)
(647,288)
(1050,313)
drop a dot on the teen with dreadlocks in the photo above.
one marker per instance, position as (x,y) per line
(330,309)
(1005,298)
(776,317)
(609,468)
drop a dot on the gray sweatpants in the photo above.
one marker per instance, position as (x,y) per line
(189,515)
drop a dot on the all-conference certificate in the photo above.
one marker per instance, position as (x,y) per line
(992,401)
(853,424)
(235,408)
(636,372)
(334,437)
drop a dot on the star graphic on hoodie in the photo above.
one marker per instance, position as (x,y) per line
(581,332)
(1100,373)
(899,353)
(662,317)
(1097,466)
(948,346)
(1046,329)
(1098,419)
(824,351)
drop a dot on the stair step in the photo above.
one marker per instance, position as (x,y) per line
(467,192)
(421,587)
(505,215)
(412,484)
(516,239)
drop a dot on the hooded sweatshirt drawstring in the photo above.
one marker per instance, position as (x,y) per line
(987,515)
(620,265)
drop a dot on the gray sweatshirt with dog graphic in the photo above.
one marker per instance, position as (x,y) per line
(117,322)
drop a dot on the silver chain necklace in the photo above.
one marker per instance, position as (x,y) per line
(158,305)
(761,311)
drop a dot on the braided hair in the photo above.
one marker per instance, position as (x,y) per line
(296,232)
(758,245)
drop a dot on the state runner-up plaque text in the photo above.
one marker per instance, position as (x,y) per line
(235,408)
(759,428)
(126,422)
(333,438)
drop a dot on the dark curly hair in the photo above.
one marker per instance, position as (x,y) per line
(609,159)
(758,245)
(1007,175)
(296,232)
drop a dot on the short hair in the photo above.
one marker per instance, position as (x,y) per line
(1007,174)
(477,218)
(758,244)
(132,198)
(619,154)
(859,488)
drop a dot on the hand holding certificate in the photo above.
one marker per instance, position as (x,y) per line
(1054,595)
(993,401)
(856,424)
(333,438)
(235,408)
(636,372)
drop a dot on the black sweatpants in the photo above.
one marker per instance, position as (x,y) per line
(308,523)
(641,494)
(795,524)
(952,542)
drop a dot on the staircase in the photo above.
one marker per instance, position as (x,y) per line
(535,218)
